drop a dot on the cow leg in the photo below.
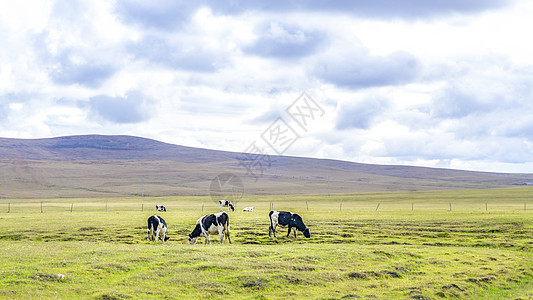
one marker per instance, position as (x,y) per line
(151,234)
(226,232)
(157,234)
(295,232)
(221,234)
(207,239)
(273,229)
(289,232)
(148,234)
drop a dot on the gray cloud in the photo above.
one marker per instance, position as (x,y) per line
(129,109)
(454,103)
(520,127)
(373,9)
(68,51)
(268,116)
(285,41)
(362,70)
(360,115)
(4,111)
(7,99)
(163,14)
(64,70)
(171,15)
(175,55)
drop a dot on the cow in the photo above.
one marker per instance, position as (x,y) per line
(157,226)
(211,224)
(160,208)
(225,203)
(284,218)
(249,208)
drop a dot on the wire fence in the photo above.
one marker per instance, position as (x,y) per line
(300,206)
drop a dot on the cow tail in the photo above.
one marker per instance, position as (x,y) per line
(227,220)
(270,218)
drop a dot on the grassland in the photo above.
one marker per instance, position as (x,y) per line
(378,245)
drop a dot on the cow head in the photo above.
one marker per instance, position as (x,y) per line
(231,207)
(307,233)
(192,240)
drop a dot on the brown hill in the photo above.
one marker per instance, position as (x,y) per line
(117,166)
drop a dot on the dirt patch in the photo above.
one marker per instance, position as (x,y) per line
(254,283)
(112,297)
(373,274)
(481,281)
(251,242)
(112,268)
(45,277)
(452,286)
(303,268)
(90,228)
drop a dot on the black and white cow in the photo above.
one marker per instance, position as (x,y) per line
(284,219)
(211,224)
(157,226)
(225,203)
(160,208)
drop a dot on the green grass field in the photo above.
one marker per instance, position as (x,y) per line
(473,244)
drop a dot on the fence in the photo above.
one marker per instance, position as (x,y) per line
(210,206)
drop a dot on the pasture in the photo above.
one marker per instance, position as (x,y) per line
(419,245)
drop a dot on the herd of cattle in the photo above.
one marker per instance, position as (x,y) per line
(219,223)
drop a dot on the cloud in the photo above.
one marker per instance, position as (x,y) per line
(284,41)
(175,55)
(454,103)
(80,44)
(72,68)
(385,9)
(4,111)
(360,115)
(132,108)
(164,14)
(10,104)
(359,69)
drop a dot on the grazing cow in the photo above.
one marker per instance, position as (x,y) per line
(284,218)
(211,224)
(157,226)
(249,208)
(160,208)
(225,203)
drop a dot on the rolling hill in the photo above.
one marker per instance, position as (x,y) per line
(118,166)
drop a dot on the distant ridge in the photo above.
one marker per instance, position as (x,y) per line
(101,147)
(117,165)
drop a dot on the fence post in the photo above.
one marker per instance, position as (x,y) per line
(450,206)
(142,206)
(486,206)
(9,207)
(306,205)
(106,206)
(378,206)
(340,206)
(71,205)
(41,206)
(412,206)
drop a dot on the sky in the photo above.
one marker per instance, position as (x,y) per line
(442,83)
